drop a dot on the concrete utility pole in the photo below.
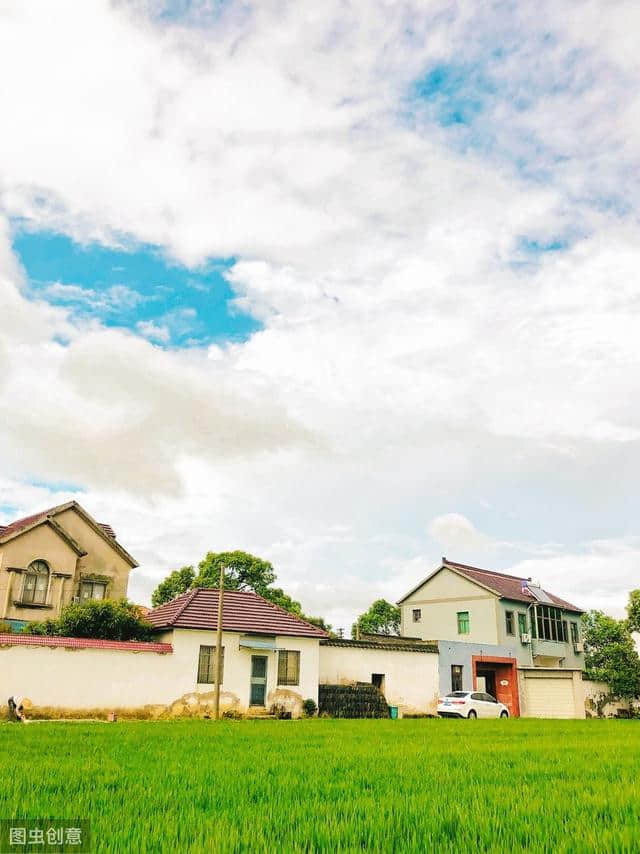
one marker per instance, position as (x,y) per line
(218,659)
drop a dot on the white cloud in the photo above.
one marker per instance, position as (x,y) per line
(413,359)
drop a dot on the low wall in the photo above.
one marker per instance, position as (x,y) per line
(599,704)
(75,674)
(410,676)
(78,677)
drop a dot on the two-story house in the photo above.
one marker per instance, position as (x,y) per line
(501,634)
(57,556)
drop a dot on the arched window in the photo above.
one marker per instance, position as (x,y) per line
(36,583)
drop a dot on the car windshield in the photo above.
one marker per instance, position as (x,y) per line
(458,694)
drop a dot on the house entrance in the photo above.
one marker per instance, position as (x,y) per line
(258,680)
(498,677)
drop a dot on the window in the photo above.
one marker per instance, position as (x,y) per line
(522,624)
(36,583)
(547,623)
(288,667)
(463,622)
(575,634)
(377,679)
(417,615)
(456,677)
(508,616)
(92,590)
(207,665)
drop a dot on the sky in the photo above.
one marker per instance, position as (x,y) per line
(350,286)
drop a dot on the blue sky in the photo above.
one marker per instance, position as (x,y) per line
(135,288)
(432,210)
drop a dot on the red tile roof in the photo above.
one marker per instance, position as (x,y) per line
(83,643)
(14,527)
(106,530)
(506,586)
(244,611)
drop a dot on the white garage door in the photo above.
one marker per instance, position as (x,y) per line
(550,697)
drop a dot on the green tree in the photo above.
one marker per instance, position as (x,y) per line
(283,600)
(107,619)
(610,654)
(382,618)
(242,571)
(633,611)
(177,582)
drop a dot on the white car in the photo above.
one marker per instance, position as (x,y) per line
(471,704)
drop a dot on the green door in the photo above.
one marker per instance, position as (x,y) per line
(258,679)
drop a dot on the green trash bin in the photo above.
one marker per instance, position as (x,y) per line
(393,713)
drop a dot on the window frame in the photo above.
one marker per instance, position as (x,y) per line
(285,657)
(575,632)
(29,597)
(86,582)
(417,615)
(522,623)
(457,671)
(464,622)
(207,662)
(548,624)
(509,623)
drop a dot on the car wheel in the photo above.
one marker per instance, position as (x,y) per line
(504,714)
(472,714)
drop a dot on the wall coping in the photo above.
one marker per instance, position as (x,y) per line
(83,643)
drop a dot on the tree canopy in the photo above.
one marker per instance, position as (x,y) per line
(106,619)
(177,582)
(610,654)
(633,611)
(242,571)
(382,618)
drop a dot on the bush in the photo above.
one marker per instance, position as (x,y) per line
(5,628)
(309,706)
(105,619)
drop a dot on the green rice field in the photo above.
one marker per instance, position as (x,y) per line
(332,785)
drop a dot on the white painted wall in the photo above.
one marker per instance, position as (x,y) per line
(410,678)
(103,678)
(594,692)
(439,599)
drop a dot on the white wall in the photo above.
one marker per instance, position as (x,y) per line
(70,679)
(439,599)
(594,692)
(410,678)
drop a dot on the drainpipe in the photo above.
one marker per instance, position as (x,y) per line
(529,607)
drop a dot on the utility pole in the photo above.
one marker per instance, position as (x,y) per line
(218,658)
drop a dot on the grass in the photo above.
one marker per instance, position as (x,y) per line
(329,785)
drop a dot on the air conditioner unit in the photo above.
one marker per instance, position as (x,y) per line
(578,646)
(525,637)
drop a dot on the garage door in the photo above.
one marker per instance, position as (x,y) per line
(550,697)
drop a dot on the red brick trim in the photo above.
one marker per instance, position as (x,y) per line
(84,643)
(513,666)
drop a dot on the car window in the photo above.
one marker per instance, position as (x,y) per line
(477,696)
(489,699)
(457,694)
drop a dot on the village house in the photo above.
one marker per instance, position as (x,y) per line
(55,557)
(269,656)
(501,634)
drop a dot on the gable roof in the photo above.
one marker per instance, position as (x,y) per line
(510,587)
(243,611)
(21,526)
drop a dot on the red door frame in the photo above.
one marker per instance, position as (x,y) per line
(513,673)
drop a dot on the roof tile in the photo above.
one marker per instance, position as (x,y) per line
(506,586)
(244,611)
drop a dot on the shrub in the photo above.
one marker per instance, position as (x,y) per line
(309,706)
(5,628)
(105,619)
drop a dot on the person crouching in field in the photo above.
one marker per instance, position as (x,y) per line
(16,709)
